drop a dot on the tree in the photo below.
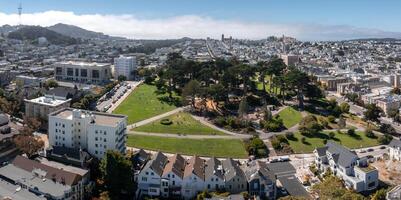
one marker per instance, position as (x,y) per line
(255,146)
(51,84)
(392,113)
(243,107)
(372,113)
(117,174)
(332,135)
(28,144)
(369,133)
(121,78)
(379,195)
(309,125)
(344,107)
(385,139)
(387,129)
(351,131)
(297,81)
(203,195)
(190,91)
(333,188)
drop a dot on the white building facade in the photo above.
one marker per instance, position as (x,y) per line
(94,132)
(124,66)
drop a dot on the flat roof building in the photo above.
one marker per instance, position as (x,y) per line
(94,132)
(83,72)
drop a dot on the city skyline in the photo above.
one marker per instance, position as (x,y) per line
(309,20)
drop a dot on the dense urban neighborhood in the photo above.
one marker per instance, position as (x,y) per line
(85,115)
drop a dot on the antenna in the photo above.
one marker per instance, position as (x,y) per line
(19,13)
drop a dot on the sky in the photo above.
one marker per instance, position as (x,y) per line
(247,19)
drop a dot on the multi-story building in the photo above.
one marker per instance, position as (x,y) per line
(395,149)
(214,175)
(173,175)
(94,132)
(235,180)
(124,66)
(42,106)
(83,72)
(194,177)
(388,103)
(345,164)
(330,82)
(290,60)
(261,181)
(149,179)
(49,181)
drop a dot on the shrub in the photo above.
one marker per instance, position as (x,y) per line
(303,140)
(325,141)
(385,139)
(351,131)
(309,125)
(220,121)
(369,133)
(332,135)
(289,135)
(274,125)
(278,141)
(166,122)
(331,118)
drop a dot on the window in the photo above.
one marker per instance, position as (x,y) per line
(95,152)
(212,179)
(173,182)
(173,176)
(104,132)
(76,72)
(63,126)
(104,140)
(84,72)
(208,186)
(152,173)
(95,138)
(70,72)
(95,145)
(147,173)
(168,175)
(144,179)
(95,74)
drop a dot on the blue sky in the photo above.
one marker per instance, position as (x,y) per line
(371,14)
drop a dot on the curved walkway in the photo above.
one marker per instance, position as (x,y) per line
(157,117)
(186,136)
(207,123)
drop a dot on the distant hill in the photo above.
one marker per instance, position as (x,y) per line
(377,39)
(5,29)
(34,32)
(76,32)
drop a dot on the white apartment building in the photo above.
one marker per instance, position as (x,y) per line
(94,132)
(124,66)
(83,72)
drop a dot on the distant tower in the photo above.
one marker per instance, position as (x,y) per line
(222,37)
(19,13)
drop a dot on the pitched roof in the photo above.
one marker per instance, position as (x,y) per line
(52,173)
(321,151)
(196,166)
(175,164)
(214,167)
(157,163)
(395,143)
(231,169)
(341,155)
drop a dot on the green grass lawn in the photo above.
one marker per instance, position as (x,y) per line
(233,148)
(183,123)
(259,85)
(290,117)
(143,103)
(353,142)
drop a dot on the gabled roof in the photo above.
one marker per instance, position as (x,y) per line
(157,163)
(195,166)
(341,155)
(231,169)
(258,170)
(214,167)
(175,164)
(395,143)
(52,173)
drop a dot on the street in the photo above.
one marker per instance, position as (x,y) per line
(109,104)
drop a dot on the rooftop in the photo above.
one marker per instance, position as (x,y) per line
(15,192)
(99,118)
(86,64)
(43,100)
(367,169)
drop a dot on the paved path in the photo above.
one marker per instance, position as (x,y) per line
(182,136)
(207,123)
(157,117)
(266,135)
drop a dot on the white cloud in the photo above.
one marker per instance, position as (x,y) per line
(191,26)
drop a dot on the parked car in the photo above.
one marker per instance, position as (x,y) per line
(370,150)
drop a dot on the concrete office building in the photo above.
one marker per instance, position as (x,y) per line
(42,106)
(94,132)
(290,60)
(124,66)
(83,72)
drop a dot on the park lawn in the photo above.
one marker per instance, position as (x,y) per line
(182,123)
(290,117)
(143,103)
(259,85)
(231,148)
(352,142)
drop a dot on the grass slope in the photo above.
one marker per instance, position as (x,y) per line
(290,117)
(233,148)
(143,103)
(183,123)
(359,140)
